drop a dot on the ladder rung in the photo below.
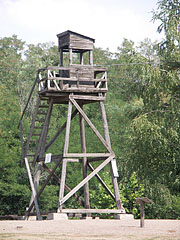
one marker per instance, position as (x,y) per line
(40,120)
(30,155)
(40,127)
(36,134)
(34,141)
(42,113)
(32,149)
(43,106)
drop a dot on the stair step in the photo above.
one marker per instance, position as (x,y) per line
(42,113)
(32,149)
(40,120)
(36,134)
(34,141)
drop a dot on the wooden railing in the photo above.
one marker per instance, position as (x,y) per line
(72,78)
(48,79)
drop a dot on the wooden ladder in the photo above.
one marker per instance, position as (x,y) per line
(34,139)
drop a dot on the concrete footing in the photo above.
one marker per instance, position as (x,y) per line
(57,216)
(124,216)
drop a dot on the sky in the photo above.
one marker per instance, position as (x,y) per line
(107,21)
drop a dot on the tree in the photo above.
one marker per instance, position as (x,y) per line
(169,15)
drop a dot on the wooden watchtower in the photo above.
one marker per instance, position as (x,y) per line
(76,84)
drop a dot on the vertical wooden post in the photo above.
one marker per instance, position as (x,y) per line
(61,57)
(66,146)
(107,138)
(84,159)
(22,145)
(81,58)
(70,56)
(142,214)
(34,192)
(91,57)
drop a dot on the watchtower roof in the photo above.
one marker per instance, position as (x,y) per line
(75,41)
(68,32)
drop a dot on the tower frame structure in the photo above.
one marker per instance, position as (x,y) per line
(75,85)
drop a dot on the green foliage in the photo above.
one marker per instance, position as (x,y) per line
(169,16)
(14,191)
(143,115)
(131,189)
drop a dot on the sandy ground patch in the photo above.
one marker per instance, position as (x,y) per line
(90,230)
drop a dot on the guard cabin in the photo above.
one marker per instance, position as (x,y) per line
(74,78)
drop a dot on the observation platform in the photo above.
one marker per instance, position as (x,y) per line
(76,79)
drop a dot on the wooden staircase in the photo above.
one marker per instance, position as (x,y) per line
(37,129)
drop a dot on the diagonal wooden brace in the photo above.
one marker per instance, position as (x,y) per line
(102,165)
(44,185)
(59,181)
(91,125)
(34,194)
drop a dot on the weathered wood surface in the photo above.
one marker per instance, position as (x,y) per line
(34,193)
(29,97)
(102,165)
(74,40)
(42,140)
(107,137)
(22,144)
(91,98)
(143,199)
(44,185)
(76,66)
(66,146)
(68,124)
(73,89)
(101,181)
(84,160)
(32,125)
(59,181)
(81,155)
(62,183)
(91,125)
(54,158)
(77,42)
(108,211)
(142,202)
(76,76)
(74,79)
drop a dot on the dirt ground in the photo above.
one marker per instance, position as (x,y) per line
(95,229)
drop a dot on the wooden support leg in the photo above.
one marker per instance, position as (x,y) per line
(34,193)
(66,146)
(84,160)
(107,138)
(22,145)
(44,185)
(62,184)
